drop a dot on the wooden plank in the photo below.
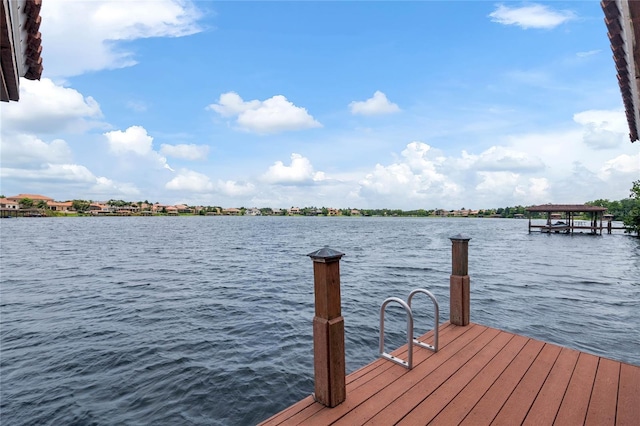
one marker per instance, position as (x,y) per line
(460,406)
(574,405)
(410,395)
(602,405)
(434,403)
(359,394)
(628,411)
(482,376)
(516,407)
(283,415)
(545,407)
(492,401)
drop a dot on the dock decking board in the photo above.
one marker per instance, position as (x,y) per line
(482,376)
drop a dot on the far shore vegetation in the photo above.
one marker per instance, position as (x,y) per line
(626,210)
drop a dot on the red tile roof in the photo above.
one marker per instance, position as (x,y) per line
(621,18)
(31,196)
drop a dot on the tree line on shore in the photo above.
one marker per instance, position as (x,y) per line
(626,210)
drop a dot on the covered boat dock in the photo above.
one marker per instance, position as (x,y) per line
(564,216)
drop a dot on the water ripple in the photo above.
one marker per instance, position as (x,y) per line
(207,320)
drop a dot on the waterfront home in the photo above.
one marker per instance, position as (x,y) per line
(99,208)
(171,210)
(64,207)
(159,208)
(35,197)
(231,211)
(183,208)
(253,211)
(355,212)
(9,205)
(294,210)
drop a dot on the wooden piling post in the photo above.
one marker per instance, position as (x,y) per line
(459,282)
(328,329)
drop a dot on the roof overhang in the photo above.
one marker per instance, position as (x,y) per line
(559,208)
(20,45)
(621,17)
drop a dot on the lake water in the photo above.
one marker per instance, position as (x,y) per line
(207,320)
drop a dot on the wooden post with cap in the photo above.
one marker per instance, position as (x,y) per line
(328,329)
(459,282)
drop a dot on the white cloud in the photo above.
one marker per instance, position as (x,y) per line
(28,151)
(231,104)
(300,171)
(188,180)
(184,151)
(135,140)
(137,106)
(376,105)
(603,128)
(538,190)
(499,158)
(497,182)
(194,182)
(415,177)
(52,173)
(273,115)
(531,16)
(235,189)
(75,176)
(587,53)
(621,165)
(45,107)
(83,36)
(108,186)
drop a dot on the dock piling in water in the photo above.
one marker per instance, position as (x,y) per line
(328,329)
(459,282)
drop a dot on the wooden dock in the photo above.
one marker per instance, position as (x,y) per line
(481,376)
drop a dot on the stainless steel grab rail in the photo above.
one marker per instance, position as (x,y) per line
(411,340)
(436,321)
(409,362)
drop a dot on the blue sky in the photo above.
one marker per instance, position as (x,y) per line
(424,104)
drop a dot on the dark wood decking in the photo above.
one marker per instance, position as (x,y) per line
(483,376)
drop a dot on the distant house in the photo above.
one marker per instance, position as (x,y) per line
(277,212)
(182,208)
(65,207)
(171,210)
(440,212)
(519,216)
(253,211)
(333,212)
(159,208)
(35,197)
(231,211)
(355,212)
(8,205)
(99,208)
(294,210)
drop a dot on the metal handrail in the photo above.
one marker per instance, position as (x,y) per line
(436,325)
(409,362)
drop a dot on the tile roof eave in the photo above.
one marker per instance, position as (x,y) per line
(21,46)
(620,17)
